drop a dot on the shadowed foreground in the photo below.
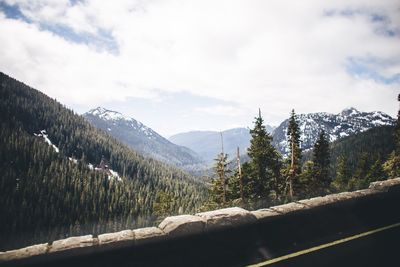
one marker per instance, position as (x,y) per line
(236,237)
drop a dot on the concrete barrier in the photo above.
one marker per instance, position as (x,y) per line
(221,234)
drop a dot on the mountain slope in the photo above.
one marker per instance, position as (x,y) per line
(376,143)
(373,144)
(208,143)
(349,122)
(143,139)
(61,176)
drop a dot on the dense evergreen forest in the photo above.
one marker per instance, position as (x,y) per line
(361,150)
(267,178)
(49,192)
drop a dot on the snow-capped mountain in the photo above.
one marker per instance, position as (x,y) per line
(348,122)
(143,139)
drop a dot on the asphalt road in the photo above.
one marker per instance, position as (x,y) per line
(381,248)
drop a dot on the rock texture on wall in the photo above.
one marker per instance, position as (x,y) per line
(186,225)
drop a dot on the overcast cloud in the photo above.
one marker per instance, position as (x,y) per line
(309,55)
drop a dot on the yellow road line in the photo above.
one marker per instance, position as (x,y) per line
(336,242)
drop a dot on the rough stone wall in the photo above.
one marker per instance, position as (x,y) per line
(186,225)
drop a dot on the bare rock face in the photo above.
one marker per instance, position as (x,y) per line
(229,217)
(148,234)
(72,242)
(24,252)
(123,238)
(182,225)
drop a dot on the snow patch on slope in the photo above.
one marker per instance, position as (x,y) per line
(45,136)
(114,175)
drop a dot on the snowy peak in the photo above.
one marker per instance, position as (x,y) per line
(349,112)
(348,122)
(107,114)
(117,118)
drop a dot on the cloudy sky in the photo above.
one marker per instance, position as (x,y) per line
(185,65)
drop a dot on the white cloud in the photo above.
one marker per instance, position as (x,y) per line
(221,110)
(276,55)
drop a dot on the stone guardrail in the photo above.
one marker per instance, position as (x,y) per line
(185,225)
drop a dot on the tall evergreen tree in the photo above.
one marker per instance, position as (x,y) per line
(221,181)
(359,176)
(163,204)
(307,180)
(265,162)
(321,159)
(236,184)
(397,130)
(293,134)
(376,172)
(392,165)
(343,174)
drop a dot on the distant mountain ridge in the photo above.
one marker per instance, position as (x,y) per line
(208,143)
(143,139)
(348,122)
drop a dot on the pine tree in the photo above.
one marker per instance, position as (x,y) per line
(293,134)
(321,159)
(236,184)
(359,177)
(376,172)
(397,131)
(343,174)
(163,204)
(392,165)
(219,184)
(262,173)
(307,180)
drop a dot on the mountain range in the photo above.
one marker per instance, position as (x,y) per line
(143,139)
(196,150)
(348,122)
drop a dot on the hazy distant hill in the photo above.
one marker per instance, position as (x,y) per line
(208,143)
(143,139)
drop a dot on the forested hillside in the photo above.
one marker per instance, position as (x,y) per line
(372,145)
(361,150)
(50,187)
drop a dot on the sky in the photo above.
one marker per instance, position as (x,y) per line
(183,65)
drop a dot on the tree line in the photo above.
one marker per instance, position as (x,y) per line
(269,179)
